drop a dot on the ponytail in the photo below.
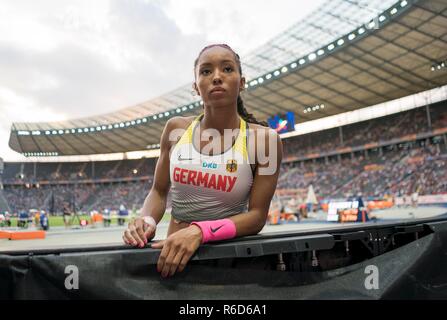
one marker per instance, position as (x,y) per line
(247,116)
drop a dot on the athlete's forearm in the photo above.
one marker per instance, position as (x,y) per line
(154,205)
(249,223)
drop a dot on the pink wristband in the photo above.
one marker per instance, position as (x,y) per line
(216,230)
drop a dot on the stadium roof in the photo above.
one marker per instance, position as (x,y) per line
(346,56)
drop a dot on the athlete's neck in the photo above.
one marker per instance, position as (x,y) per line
(220,119)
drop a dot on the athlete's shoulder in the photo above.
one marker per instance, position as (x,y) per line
(175,127)
(179,122)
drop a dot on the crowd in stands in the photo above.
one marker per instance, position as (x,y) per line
(80,197)
(34,172)
(376,130)
(400,171)
(397,169)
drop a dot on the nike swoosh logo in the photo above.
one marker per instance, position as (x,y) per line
(181,159)
(214,230)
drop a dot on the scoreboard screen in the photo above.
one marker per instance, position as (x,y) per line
(282,123)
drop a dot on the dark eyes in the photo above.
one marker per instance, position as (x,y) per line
(206,72)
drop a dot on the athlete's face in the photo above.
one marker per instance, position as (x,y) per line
(218,80)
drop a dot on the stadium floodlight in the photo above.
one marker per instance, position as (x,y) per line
(246,86)
(138,121)
(351,37)
(276,73)
(322,106)
(61,131)
(132,122)
(103,127)
(67,131)
(320,52)
(92,129)
(178,110)
(439,67)
(184,108)
(73,131)
(54,132)
(371,24)
(253,83)
(154,117)
(361,31)
(127,123)
(198,103)
(382,18)
(79,130)
(393,11)
(98,128)
(340,42)
(47,132)
(403,3)
(331,47)
(166,114)
(121,125)
(191,106)
(284,69)
(36,133)
(305,111)
(311,56)
(144,120)
(23,133)
(160,115)
(116,125)
(201,103)
(294,65)
(260,79)
(85,129)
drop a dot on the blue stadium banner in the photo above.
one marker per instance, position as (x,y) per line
(282,123)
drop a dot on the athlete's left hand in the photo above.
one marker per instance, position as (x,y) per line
(177,249)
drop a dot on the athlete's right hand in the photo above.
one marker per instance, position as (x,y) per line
(139,232)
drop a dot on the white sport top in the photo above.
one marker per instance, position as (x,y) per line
(209,187)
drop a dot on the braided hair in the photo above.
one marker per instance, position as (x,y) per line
(240,103)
